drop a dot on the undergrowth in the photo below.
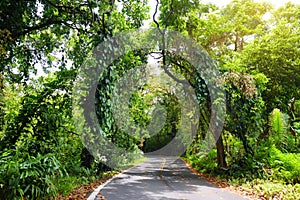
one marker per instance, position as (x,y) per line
(270,173)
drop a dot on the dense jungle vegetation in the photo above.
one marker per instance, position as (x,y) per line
(43,44)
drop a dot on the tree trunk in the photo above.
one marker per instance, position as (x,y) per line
(236,42)
(2,103)
(221,153)
(86,158)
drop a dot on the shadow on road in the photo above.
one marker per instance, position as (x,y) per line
(158,178)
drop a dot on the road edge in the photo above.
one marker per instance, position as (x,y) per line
(222,184)
(94,194)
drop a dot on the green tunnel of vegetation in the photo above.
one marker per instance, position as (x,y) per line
(255,46)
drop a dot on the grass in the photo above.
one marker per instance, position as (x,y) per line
(79,187)
(69,184)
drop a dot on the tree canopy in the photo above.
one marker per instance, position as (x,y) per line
(44,43)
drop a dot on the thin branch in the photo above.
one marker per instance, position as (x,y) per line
(190,73)
(155,12)
(294,121)
(49,22)
(184,82)
(112,2)
(156,52)
(181,66)
(164,44)
(70,26)
(159,57)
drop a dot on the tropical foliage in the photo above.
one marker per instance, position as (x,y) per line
(255,46)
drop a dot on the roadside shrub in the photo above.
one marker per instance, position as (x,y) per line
(28,178)
(284,166)
(205,163)
(279,134)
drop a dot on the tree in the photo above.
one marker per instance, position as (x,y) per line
(225,33)
(220,31)
(48,34)
(276,54)
(44,113)
(2,103)
(34,31)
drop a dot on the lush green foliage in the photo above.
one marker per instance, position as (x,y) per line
(260,68)
(40,151)
(31,177)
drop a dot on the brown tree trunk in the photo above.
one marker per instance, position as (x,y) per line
(2,103)
(221,153)
(236,42)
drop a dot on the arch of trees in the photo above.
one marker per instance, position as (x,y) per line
(257,57)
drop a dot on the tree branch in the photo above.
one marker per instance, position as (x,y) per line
(112,2)
(184,82)
(48,23)
(153,17)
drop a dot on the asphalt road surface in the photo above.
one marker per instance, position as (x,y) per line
(157,178)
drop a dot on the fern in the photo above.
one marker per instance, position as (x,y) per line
(277,122)
(278,128)
(285,166)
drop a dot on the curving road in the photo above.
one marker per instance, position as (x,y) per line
(158,178)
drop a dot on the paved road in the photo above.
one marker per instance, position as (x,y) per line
(158,179)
